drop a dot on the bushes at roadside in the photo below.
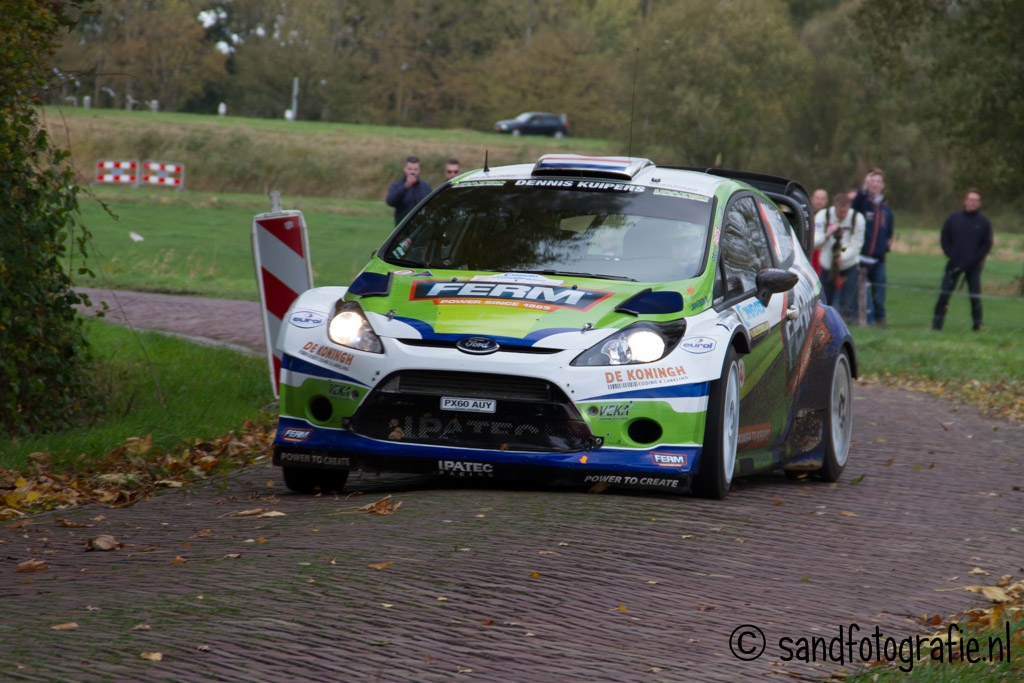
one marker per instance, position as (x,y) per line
(42,378)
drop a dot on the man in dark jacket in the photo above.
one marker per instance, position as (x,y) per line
(966,241)
(406,192)
(877,238)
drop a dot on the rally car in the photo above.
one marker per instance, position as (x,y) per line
(580,320)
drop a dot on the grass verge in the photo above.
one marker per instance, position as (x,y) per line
(978,368)
(981,645)
(168,411)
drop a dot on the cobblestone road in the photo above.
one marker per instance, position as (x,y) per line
(491,584)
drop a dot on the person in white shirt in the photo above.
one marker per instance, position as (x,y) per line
(839,233)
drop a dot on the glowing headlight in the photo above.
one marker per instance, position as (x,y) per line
(350,328)
(646,346)
(640,343)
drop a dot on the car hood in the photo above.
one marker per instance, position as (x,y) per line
(519,309)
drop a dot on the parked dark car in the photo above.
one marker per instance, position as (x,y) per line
(535,123)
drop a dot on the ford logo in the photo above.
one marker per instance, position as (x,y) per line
(477,345)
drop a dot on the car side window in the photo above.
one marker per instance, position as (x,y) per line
(745,251)
(778,231)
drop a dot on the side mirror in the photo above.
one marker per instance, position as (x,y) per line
(774,281)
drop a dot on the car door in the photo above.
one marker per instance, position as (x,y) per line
(746,250)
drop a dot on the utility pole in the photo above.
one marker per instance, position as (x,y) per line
(295,98)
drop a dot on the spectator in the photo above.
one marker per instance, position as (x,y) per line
(451,169)
(878,235)
(819,200)
(839,234)
(966,241)
(406,192)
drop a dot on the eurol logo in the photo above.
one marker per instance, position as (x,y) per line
(699,345)
(293,434)
(307,319)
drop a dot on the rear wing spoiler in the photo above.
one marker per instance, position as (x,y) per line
(790,195)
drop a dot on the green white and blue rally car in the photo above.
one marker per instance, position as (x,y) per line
(581,320)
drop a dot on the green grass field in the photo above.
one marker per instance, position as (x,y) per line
(200,243)
(153,384)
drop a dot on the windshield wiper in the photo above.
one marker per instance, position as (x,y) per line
(569,273)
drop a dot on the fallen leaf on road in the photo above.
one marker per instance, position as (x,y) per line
(152,656)
(622,608)
(33,565)
(178,560)
(247,513)
(384,506)
(688,536)
(68,524)
(103,542)
(65,627)
(857,480)
(202,533)
(534,575)
(140,627)
(273,513)
(847,513)
(380,565)
(978,571)
(995,594)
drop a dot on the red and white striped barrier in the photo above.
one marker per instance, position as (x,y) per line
(280,250)
(113,171)
(160,173)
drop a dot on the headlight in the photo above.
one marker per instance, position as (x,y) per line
(350,328)
(639,343)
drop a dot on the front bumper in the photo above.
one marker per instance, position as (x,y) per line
(665,468)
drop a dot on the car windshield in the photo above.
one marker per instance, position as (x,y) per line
(524,117)
(589,228)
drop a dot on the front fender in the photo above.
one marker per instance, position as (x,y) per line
(312,309)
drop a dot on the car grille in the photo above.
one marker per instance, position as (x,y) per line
(530,414)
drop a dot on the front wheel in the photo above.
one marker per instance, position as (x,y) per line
(721,433)
(839,424)
(302,480)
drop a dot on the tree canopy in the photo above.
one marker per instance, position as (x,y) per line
(818,89)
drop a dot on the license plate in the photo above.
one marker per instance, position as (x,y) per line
(469,405)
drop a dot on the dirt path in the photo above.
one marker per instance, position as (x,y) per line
(493,584)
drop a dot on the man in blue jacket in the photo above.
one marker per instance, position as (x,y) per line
(406,192)
(966,241)
(877,237)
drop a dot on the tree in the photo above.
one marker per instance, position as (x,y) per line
(718,84)
(144,49)
(964,62)
(42,376)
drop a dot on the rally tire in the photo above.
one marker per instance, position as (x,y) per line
(304,480)
(838,421)
(721,433)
